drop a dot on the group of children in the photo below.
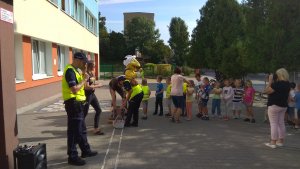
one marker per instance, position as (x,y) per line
(232,93)
(234,98)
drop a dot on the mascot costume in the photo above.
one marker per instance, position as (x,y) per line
(134,90)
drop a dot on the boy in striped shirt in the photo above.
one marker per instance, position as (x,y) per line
(237,101)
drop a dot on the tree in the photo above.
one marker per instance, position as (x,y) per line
(103,39)
(159,52)
(117,47)
(140,33)
(179,40)
(218,39)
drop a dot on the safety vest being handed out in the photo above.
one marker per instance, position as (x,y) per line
(66,91)
(137,89)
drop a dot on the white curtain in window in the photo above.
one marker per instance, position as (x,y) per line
(35,57)
(42,58)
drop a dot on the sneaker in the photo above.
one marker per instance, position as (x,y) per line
(296,127)
(247,119)
(199,115)
(89,154)
(279,144)
(252,121)
(76,161)
(270,145)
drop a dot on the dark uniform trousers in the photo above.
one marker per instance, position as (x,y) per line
(76,131)
(133,109)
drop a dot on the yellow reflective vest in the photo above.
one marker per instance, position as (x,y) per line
(66,91)
(168,91)
(146,92)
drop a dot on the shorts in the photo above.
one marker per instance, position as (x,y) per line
(237,105)
(145,104)
(291,112)
(204,102)
(178,101)
(169,101)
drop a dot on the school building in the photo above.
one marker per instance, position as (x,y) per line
(47,33)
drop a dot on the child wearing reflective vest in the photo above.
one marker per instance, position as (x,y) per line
(168,96)
(147,93)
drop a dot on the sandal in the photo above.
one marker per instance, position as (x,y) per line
(99,132)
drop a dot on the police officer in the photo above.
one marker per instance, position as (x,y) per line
(74,99)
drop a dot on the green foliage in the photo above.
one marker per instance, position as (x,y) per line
(159,52)
(140,33)
(217,41)
(179,40)
(151,69)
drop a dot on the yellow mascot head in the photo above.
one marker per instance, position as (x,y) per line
(132,66)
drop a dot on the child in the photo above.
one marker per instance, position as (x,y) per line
(238,93)
(297,101)
(159,96)
(168,96)
(204,95)
(183,107)
(198,85)
(216,100)
(147,94)
(189,99)
(227,93)
(291,104)
(248,101)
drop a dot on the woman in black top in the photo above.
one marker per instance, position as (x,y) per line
(91,98)
(278,91)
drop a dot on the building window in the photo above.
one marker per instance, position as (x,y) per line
(42,65)
(65,6)
(78,11)
(90,22)
(63,58)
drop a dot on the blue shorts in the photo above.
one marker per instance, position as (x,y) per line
(291,112)
(177,101)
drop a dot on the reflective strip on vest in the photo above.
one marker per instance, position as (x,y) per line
(66,91)
(146,92)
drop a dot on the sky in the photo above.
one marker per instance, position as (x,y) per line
(164,11)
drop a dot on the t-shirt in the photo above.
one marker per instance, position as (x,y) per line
(189,94)
(291,95)
(204,92)
(91,81)
(160,88)
(217,96)
(198,85)
(297,100)
(280,95)
(238,94)
(249,94)
(177,82)
(227,93)
(127,85)
(71,77)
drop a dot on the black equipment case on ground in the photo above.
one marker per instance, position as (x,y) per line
(30,157)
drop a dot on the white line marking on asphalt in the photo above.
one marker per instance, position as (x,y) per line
(107,151)
(120,141)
